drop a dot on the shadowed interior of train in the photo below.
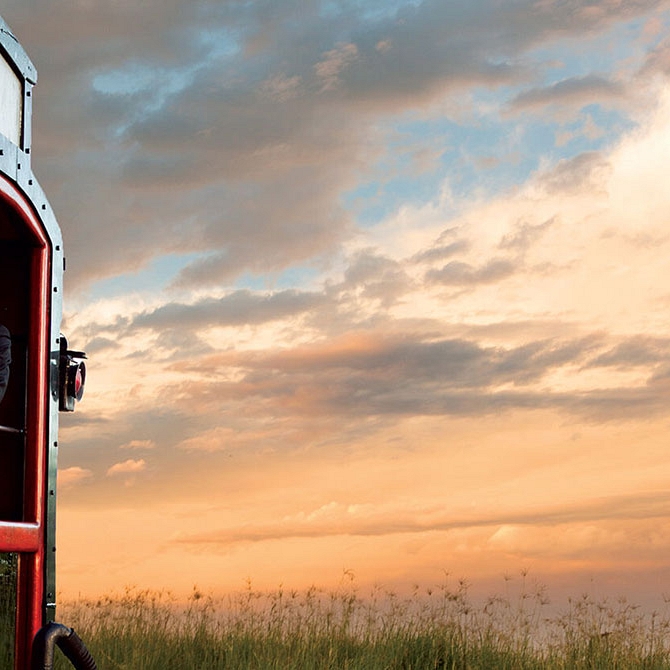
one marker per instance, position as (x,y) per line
(17,252)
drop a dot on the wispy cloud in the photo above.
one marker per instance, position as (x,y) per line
(234,309)
(334,62)
(458,273)
(72,476)
(127,467)
(368,521)
(139,444)
(577,91)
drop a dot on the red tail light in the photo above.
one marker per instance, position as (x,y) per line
(72,377)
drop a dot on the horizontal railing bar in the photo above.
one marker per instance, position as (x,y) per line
(19,536)
(14,431)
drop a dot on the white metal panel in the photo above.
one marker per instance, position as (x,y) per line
(11,103)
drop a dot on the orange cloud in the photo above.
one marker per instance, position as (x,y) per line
(127,467)
(71,476)
(139,444)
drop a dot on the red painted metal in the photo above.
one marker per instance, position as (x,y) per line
(28,538)
(20,536)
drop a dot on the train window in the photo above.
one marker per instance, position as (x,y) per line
(15,259)
(11,103)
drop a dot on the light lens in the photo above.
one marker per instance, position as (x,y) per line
(79,381)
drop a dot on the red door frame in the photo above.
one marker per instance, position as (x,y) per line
(28,537)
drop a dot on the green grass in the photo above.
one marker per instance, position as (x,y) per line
(430,629)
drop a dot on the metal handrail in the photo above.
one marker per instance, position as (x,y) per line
(13,431)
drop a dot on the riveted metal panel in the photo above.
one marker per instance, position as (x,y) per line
(11,46)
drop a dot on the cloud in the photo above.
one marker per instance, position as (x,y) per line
(575,91)
(366,520)
(658,60)
(638,350)
(441,251)
(587,170)
(190,126)
(281,88)
(226,438)
(334,62)
(127,467)
(525,235)
(242,307)
(98,344)
(182,341)
(458,273)
(370,374)
(136,444)
(549,289)
(72,476)
(376,276)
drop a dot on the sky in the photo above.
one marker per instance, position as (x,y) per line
(373,286)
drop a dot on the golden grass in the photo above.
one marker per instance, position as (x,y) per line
(428,629)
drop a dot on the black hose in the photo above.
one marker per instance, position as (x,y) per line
(70,643)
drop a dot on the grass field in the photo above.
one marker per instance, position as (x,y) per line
(428,629)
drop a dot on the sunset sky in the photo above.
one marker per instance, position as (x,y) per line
(367,285)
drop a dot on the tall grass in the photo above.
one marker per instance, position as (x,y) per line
(8,571)
(429,629)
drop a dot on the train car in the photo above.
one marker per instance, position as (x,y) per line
(39,377)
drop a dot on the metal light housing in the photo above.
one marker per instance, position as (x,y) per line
(72,377)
